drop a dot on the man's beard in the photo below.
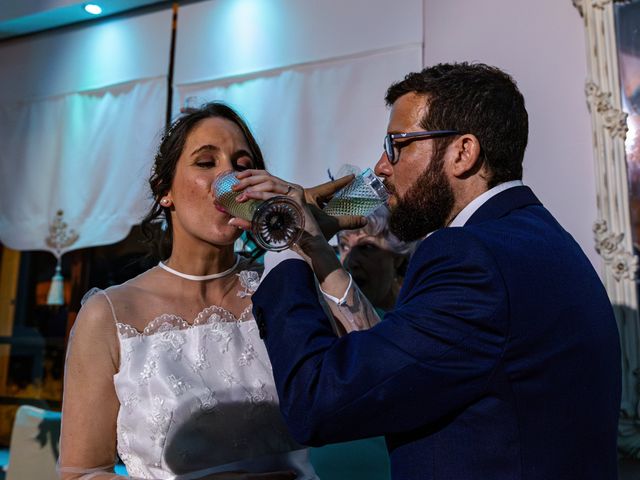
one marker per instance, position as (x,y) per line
(425,207)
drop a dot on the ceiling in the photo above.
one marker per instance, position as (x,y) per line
(22,17)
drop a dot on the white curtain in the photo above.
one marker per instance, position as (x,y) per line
(318,117)
(310,77)
(81,111)
(88,154)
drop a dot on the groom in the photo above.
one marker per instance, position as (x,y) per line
(501,358)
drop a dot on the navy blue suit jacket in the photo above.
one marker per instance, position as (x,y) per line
(500,360)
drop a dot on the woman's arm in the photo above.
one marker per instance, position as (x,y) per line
(348,305)
(90,405)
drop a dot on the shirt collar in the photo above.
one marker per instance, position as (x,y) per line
(476,203)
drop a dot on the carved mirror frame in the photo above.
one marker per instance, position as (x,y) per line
(612,229)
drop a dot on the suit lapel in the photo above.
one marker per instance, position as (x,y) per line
(503,203)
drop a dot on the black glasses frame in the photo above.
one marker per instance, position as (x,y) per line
(390,138)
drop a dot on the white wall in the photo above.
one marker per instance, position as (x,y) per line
(541,44)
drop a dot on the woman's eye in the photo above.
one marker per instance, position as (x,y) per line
(206,163)
(243,164)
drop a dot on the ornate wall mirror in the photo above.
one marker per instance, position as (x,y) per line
(613,96)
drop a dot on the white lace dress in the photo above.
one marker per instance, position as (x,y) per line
(200,398)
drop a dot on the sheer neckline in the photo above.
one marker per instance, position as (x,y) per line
(168,321)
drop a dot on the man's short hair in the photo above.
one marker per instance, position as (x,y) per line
(477,99)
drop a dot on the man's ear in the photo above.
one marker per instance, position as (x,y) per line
(466,161)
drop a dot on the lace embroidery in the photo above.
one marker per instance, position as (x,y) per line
(220,334)
(209,316)
(135,466)
(158,421)
(126,331)
(250,281)
(259,396)
(178,385)
(214,314)
(130,402)
(149,369)
(170,339)
(208,401)
(164,323)
(247,355)
(201,360)
(124,440)
(228,378)
(186,378)
(127,352)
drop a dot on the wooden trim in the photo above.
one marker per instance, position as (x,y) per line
(9,270)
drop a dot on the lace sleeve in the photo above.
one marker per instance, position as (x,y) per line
(353,310)
(90,405)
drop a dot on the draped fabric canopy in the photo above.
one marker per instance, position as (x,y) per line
(80,114)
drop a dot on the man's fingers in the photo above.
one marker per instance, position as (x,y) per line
(341,182)
(326,190)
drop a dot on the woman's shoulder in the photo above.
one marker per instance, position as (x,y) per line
(101,303)
(94,323)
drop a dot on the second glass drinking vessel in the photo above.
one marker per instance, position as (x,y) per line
(361,197)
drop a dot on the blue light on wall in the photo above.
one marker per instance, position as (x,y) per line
(93,9)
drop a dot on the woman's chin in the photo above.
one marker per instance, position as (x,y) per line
(224,235)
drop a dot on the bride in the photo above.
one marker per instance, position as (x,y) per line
(168,368)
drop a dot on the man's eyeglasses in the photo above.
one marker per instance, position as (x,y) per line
(390,138)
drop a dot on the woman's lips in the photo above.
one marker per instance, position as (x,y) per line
(220,208)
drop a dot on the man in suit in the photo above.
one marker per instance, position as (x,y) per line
(500,360)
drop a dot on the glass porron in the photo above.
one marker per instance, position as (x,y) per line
(276,223)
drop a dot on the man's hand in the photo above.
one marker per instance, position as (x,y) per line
(317,198)
(321,194)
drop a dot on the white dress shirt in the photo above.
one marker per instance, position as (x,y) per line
(476,203)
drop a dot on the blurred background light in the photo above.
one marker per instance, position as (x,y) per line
(93,9)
